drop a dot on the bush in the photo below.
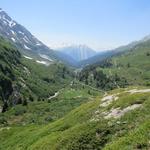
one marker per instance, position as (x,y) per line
(3,120)
(31,98)
(49,119)
(24,103)
(19,110)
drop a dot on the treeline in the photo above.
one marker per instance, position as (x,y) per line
(96,77)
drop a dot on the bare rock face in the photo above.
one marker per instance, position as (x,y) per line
(16,97)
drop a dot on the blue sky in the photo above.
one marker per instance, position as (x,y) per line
(101,24)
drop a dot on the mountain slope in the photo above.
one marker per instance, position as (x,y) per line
(128,68)
(96,59)
(108,54)
(23,80)
(93,125)
(23,39)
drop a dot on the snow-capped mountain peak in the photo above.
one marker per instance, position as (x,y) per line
(22,38)
(78,52)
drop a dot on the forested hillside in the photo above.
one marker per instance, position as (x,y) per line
(128,68)
(23,80)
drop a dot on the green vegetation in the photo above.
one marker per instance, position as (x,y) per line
(23,80)
(45,81)
(45,108)
(9,60)
(128,68)
(78,130)
(49,110)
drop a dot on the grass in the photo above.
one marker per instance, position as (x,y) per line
(135,139)
(75,130)
(46,111)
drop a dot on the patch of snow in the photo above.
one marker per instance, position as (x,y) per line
(25,40)
(38,44)
(45,57)
(42,62)
(55,95)
(13,39)
(117,112)
(4,22)
(26,47)
(27,57)
(20,32)
(12,32)
(11,23)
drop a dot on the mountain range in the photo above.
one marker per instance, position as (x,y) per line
(30,46)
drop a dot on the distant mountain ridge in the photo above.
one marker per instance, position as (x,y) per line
(78,52)
(110,53)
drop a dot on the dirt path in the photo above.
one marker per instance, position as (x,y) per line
(93,88)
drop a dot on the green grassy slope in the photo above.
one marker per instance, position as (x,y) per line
(134,65)
(49,110)
(87,128)
(43,80)
(130,68)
